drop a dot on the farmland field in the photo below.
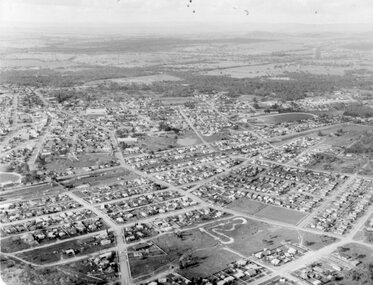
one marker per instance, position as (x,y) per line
(147,79)
(269,69)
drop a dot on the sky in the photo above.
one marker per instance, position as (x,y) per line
(173,11)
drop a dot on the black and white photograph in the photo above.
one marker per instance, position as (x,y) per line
(186,142)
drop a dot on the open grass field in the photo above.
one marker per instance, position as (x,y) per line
(281,214)
(188,139)
(175,247)
(84,160)
(216,137)
(209,262)
(159,143)
(251,236)
(12,244)
(248,236)
(176,100)
(246,206)
(286,117)
(349,134)
(344,164)
(315,241)
(6,178)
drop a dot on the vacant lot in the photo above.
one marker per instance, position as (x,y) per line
(281,214)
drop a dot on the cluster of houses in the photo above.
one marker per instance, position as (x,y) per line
(142,200)
(75,136)
(102,240)
(243,143)
(104,266)
(46,221)
(327,103)
(17,157)
(62,231)
(115,191)
(124,216)
(342,213)
(144,250)
(206,120)
(170,279)
(279,255)
(224,190)
(134,115)
(242,270)
(21,210)
(327,270)
(28,133)
(138,231)
(190,174)
(317,182)
(271,184)
(187,219)
(279,280)
(169,159)
(68,230)
(282,129)
(232,106)
(228,163)
(177,161)
(290,150)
